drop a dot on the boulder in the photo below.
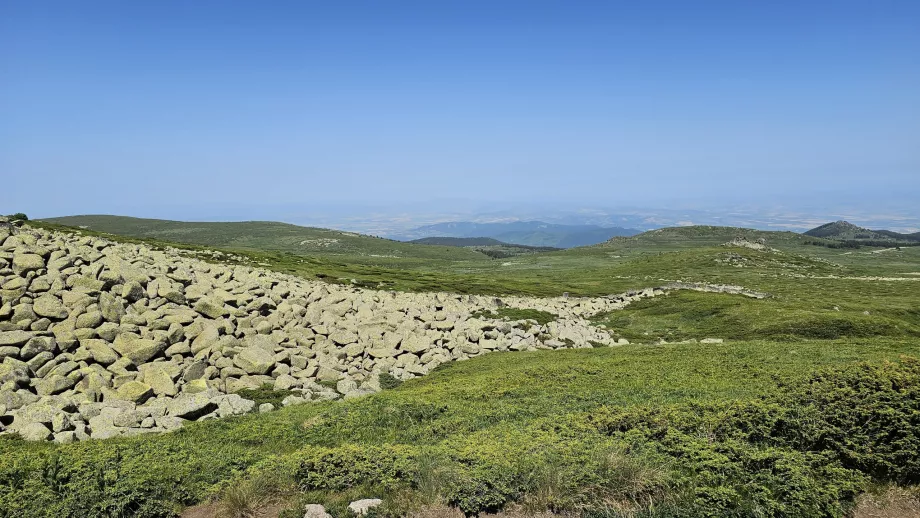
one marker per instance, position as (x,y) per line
(24,263)
(191,406)
(254,360)
(111,307)
(211,307)
(138,350)
(100,351)
(14,338)
(33,431)
(37,345)
(343,337)
(50,306)
(315,511)
(362,507)
(160,381)
(134,391)
(54,384)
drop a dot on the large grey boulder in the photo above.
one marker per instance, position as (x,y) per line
(254,360)
(14,338)
(100,351)
(138,350)
(37,345)
(111,307)
(50,306)
(32,431)
(134,391)
(211,307)
(191,406)
(54,384)
(160,381)
(24,263)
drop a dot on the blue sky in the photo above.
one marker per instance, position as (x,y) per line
(162,108)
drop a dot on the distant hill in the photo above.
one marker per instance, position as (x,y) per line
(459,241)
(528,233)
(486,245)
(846,231)
(260,235)
(705,235)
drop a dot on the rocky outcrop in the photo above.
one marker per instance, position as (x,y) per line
(99,339)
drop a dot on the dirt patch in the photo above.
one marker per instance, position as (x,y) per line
(448,512)
(893,503)
(214,510)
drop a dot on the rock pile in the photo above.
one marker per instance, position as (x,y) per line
(100,339)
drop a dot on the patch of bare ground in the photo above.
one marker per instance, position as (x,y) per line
(450,512)
(895,502)
(218,510)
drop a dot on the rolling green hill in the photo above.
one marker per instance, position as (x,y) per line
(262,236)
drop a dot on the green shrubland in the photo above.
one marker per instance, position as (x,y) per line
(683,430)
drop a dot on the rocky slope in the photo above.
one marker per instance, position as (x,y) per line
(100,339)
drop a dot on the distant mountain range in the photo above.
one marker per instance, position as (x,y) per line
(527,233)
(846,231)
(459,241)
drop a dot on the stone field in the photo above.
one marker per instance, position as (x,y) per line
(101,339)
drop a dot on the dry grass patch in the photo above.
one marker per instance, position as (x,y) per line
(895,502)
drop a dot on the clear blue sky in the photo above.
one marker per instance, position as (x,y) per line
(152,107)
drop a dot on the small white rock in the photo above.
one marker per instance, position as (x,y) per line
(361,507)
(315,511)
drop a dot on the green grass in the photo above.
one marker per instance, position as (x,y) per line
(486,401)
(693,315)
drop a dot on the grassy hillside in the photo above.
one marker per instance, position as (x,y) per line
(542,429)
(262,236)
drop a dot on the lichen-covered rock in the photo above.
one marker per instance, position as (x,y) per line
(33,431)
(160,381)
(50,306)
(191,406)
(24,263)
(15,338)
(211,307)
(134,391)
(254,360)
(138,350)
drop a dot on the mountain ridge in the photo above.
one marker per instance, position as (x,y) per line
(527,233)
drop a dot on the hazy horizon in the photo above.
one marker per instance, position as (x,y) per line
(347,112)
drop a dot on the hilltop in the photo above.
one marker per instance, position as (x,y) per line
(703,235)
(846,231)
